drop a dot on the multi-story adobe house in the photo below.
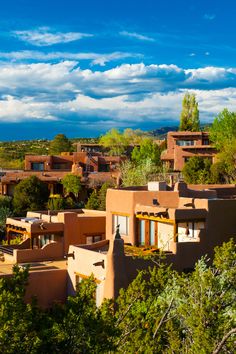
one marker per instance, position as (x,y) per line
(184,222)
(183,145)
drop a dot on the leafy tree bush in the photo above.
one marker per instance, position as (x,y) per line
(97,199)
(137,175)
(30,194)
(223,136)
(56,202)
(115,141)
(161,311)
(93,201)
(60,144)
(72,184)
(197,170)
(148,150)
(189,119)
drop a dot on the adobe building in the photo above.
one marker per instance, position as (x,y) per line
(183,223)
(94,169)
(48,236)
(183,145)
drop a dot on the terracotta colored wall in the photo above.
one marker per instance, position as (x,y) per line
(75,227)
(51,251)
(49,286)
(124,202)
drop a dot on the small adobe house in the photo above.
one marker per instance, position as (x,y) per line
(48,236)
(184,144)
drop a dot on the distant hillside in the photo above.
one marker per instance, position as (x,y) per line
(162,132)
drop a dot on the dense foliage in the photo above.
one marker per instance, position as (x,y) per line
(60,144)
(160,312)
(97,199)
(223,136)
(72,184)
(117,142)
(30,194)
(197,170)
(189,118)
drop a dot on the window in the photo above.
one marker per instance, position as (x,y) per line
(147,232)
(93,238)
(152,233)
(142,232)
(123,221)
(61,166)
(205,142)
(185,142)
(37,166)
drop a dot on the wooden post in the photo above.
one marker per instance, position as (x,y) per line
(8,236)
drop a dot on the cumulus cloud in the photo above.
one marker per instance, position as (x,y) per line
(127,95)
(136,35)
(43,36)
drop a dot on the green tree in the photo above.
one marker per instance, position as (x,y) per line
(93,201)
(5,213)
(56,202)
(133,174)
(197,170)
(115,141)
(30,194)
(23,327)
(148,149)
(223,136)
(60,144)
(80,326)
(189,118)
(72,184)
(102,195)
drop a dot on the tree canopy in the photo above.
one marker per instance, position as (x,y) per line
(161,311)
(60,144)
(189,118)
(117,142)
(72,184)
(197,170)
(30,194)
(223,136)
(148,149)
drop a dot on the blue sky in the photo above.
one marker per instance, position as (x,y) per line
(83,67)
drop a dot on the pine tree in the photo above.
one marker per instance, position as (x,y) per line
(189,119)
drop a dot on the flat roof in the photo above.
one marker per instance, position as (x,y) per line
(6,267)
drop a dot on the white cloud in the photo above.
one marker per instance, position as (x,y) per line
(95,58)
(209,17)
(42,36)
(14,110)
(192,54)
(136,35)
(129,94)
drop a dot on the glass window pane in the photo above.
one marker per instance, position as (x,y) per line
(142,232)
(152,232)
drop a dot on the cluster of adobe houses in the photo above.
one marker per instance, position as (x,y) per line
(185,222)
(89,162)
(95,166)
